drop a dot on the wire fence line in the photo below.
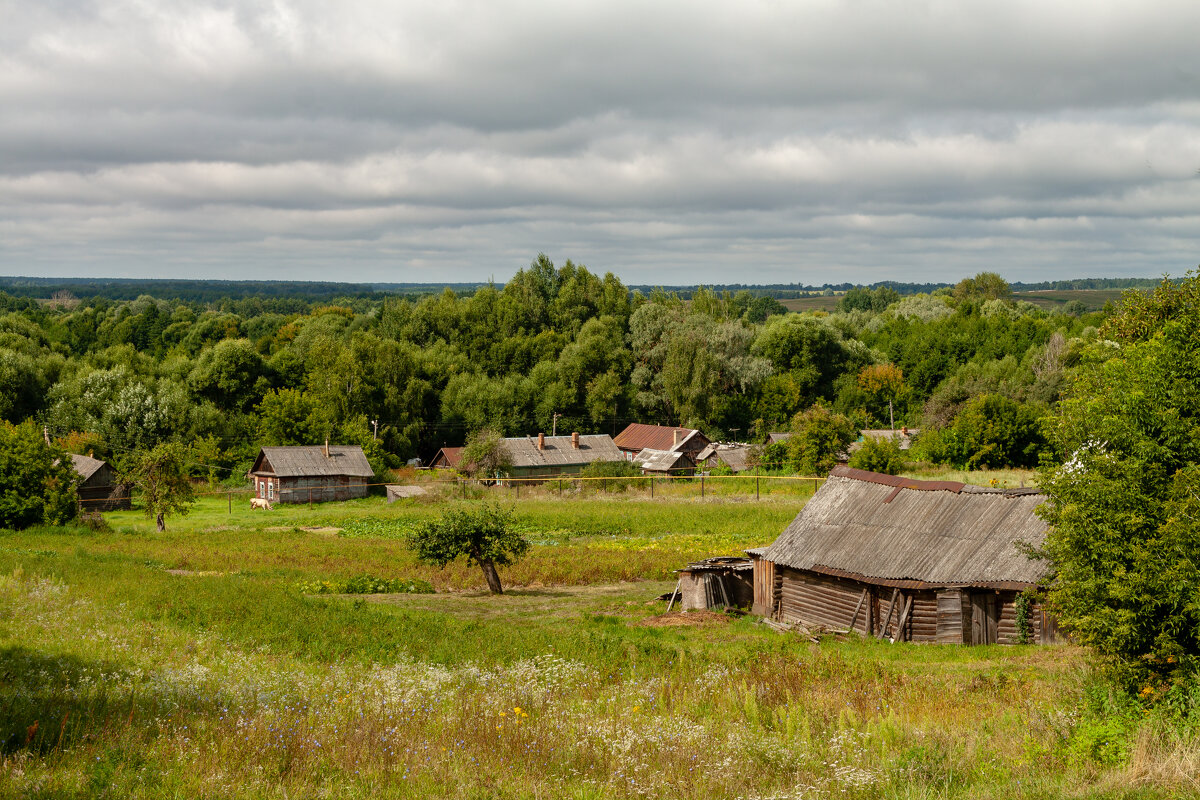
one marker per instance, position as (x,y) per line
(702,486)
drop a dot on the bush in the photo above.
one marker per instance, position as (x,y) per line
(879,455)
(367,584)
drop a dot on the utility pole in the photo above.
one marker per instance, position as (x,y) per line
(554,424)
(892,416)
(375,435)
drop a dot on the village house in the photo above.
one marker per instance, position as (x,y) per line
(638,437)
(552,456)
(447,458)
(310,473)
(920,561)
(98,487)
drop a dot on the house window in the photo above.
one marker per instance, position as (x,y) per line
(271,490)
(262,489)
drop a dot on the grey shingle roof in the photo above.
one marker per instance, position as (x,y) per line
(523,450)
(887,528)
(310,460)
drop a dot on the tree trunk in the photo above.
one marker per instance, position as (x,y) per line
(162,524)
(493,578)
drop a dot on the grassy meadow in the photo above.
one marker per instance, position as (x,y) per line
(190,663)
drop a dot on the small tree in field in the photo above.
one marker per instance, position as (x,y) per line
(484,535)
(162,476)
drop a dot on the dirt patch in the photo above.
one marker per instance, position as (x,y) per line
(678,619)
(194,573)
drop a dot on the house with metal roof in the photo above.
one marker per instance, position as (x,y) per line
(545,456)
(921,561)
(310,473)
(447,458)
(638,437)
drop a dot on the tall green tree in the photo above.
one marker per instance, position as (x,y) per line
(1124,498)
(37,483)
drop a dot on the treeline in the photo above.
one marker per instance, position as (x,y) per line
(557,346)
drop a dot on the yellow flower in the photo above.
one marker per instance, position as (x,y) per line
(517,709)
(503,714)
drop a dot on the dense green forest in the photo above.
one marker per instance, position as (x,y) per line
(404,375)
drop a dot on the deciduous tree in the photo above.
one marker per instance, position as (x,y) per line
(484,535)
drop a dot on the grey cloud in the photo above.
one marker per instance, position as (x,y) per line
(677,140)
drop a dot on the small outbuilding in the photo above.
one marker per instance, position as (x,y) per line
(311,473)
(737,457)
(98,488)
(921,561)
(716,583)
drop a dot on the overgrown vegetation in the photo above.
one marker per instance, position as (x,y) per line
(187,663)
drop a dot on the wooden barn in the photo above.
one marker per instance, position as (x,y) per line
(310,474)
(98,488)
(920,561)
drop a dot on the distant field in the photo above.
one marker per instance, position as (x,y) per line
(1092,299)
(817,303)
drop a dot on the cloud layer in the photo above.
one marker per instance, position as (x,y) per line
(670,143)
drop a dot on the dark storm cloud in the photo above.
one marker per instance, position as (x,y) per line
(670,142)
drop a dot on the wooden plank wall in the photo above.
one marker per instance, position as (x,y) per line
(950,615)
(820,600)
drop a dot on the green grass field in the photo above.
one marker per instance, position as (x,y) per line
(188,664)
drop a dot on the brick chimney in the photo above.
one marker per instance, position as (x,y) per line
(541,441)
(575,440)
(327,447)
(678,437)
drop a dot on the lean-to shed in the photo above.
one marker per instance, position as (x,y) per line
(922,561)
(310,473)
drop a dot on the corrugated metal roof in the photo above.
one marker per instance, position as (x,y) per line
(663,460)
(655,437)
(310,460)
(85,466)
(940,533)
(451,455)
(524,452)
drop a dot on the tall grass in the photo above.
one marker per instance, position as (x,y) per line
(122,678)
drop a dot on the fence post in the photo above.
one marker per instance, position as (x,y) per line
(560,487)
(756,483)
(701,486)
(517,486)
(229,494)
(463,483)
(651,487)
(310,495)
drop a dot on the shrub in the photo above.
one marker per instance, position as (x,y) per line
(367,584)
(879,455)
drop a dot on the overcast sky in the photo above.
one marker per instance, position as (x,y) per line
(670,143)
